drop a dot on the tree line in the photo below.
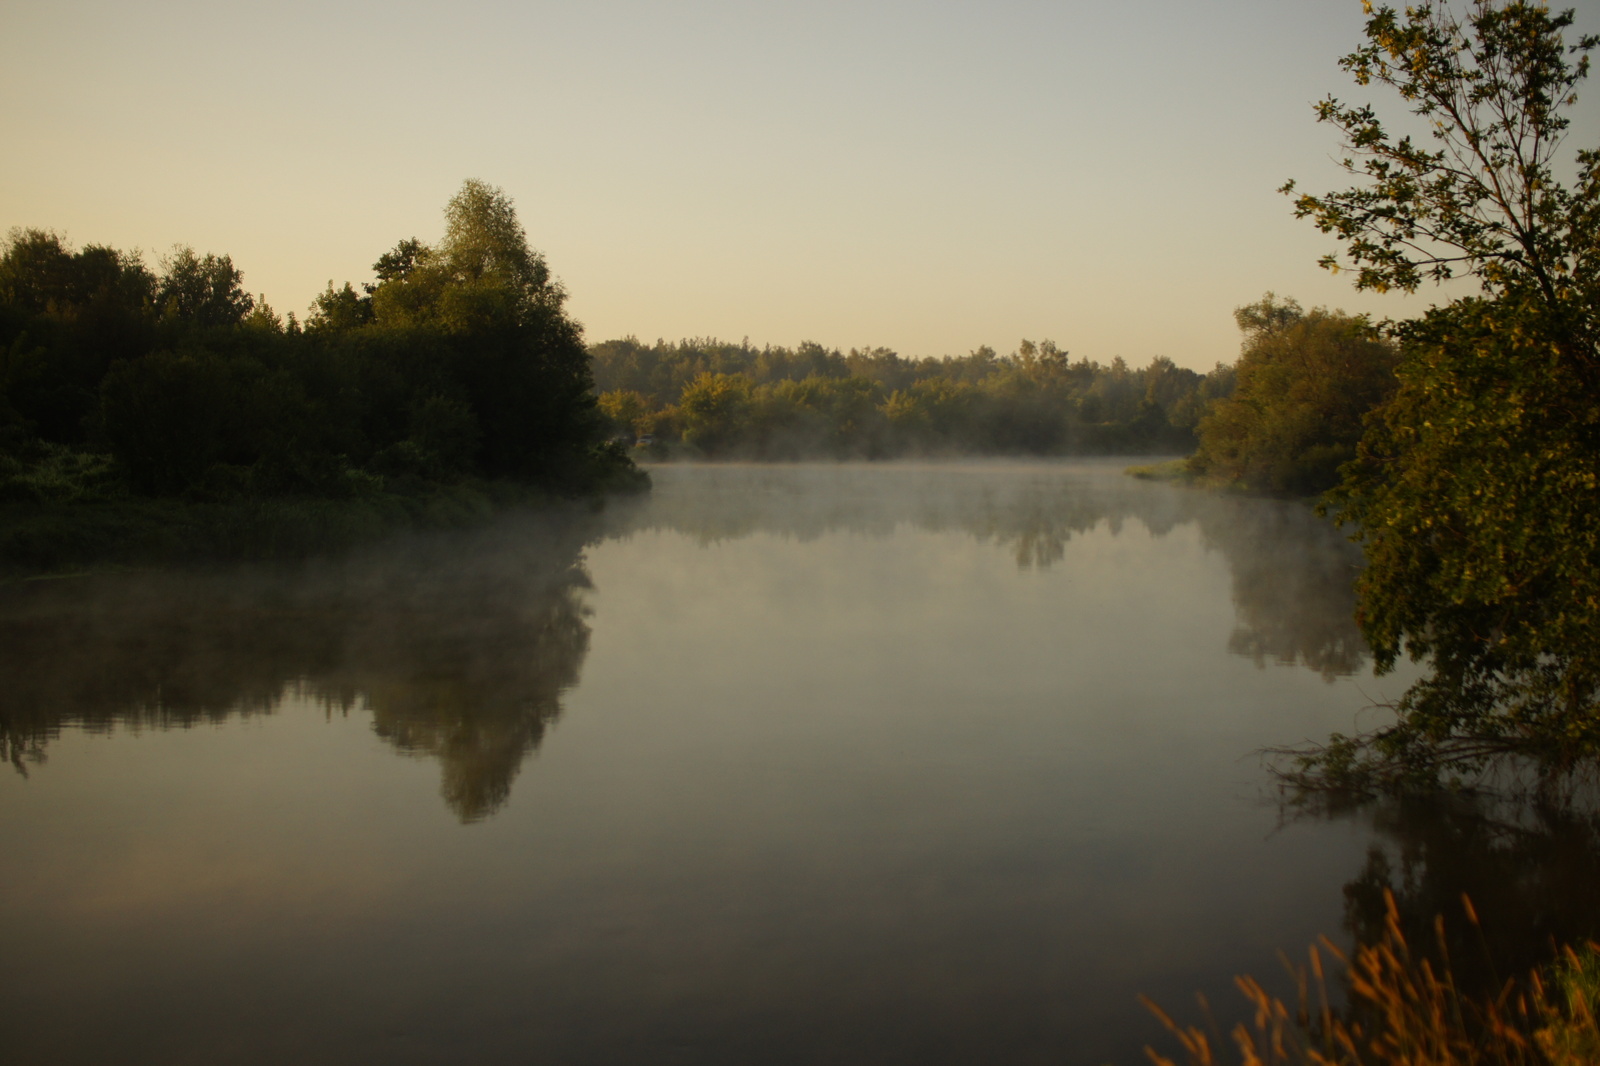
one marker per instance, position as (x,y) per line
(459,363)
(708,397)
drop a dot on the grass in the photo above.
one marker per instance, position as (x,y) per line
(1407,1010)
(1172,470)
(1178,472)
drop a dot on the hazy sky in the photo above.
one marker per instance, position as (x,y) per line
(924,176)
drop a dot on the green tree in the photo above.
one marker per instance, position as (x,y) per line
(337,310)
(170,419)
(204,291)
(1304,383)
(931,416)
(484,239)
(65,318)
(1476,496)
(814,401)
(484,302)
(714,411)
(628,410)
(458,362)
(1475,489)
(399,261)
(40,274)
(838,416)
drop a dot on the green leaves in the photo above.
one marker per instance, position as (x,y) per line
(1484,202)
(1474,487)
(458,363)
(1476,496)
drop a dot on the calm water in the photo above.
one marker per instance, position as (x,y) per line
(816,764)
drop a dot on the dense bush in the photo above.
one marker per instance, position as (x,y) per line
(1305,382)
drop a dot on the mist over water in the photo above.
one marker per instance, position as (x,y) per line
(814,763)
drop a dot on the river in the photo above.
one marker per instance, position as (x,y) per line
(888,763)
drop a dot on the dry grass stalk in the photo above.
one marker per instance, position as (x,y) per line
(1405,1011)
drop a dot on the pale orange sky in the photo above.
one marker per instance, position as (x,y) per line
(927,177)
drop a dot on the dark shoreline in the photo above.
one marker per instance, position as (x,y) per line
(42,540)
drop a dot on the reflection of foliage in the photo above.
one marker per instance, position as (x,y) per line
(1292,572)
(1033,510)
(479,695)
(1040,547)
(1470,924)
(1530,870)
(1292,578)
(459,645)
(1530,873)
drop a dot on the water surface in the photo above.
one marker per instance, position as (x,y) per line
(800,764)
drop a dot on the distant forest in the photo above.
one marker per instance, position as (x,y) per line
(708,397)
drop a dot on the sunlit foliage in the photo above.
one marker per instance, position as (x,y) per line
(1492,86)
(1305,381)
(779,403)
(1477,499)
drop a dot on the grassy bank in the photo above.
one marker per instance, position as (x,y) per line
(1176,470)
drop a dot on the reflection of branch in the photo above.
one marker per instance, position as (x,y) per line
(1384,762)
(20,749)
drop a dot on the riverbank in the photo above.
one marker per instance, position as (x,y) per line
(49,538)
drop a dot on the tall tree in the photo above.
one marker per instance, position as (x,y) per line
(205,291)
(1476,490)
(65,318)
(488,301)
(483,238)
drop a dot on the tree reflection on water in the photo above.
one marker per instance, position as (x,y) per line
(1529,867)
(1293,587)
(461,646)
(1293,573)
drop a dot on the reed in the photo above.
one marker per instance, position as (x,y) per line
(1405,1009)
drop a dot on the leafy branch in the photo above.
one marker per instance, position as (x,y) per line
(1492,87)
